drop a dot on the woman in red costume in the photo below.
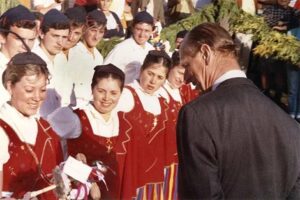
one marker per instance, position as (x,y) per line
(142,167)
(297,4)
(29,149)
(97,130)
(177,93)
(175,87)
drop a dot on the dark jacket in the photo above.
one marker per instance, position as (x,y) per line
(234,143)
(117,32)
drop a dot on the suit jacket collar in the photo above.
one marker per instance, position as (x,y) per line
(236,81)
(228,75)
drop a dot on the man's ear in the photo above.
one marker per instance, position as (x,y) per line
(8,87)
(206,52)
(41,35)
(2,39)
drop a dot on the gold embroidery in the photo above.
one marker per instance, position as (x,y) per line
(128,139)
(154,123)
(166,118)
(12,171)
(109,145)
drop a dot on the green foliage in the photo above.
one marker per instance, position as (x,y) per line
(281,46)
(270,42)
(105,46)
(227,9)
(6,4)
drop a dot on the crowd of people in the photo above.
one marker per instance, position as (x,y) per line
(276,77)
(60,97)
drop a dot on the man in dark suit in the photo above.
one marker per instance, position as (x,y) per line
(233,142)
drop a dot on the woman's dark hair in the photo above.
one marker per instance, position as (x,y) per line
(106,71)
(175,59)
(154,57)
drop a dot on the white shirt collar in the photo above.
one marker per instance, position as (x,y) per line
(147,47)
(85,50)
(228,75)
(41,52)
(174,92)
(150,102)
(136,85)
(100,126)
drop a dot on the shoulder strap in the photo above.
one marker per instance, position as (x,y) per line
(11,134)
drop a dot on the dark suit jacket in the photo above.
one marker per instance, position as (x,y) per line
(234,143)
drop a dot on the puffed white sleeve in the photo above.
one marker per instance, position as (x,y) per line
(65,123)
(126,101)
(4,155)
(164,94)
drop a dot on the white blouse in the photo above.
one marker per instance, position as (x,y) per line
(149,102)
(173,92)
(101,127)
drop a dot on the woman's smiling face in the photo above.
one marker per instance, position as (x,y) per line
(28,94)
(106,94)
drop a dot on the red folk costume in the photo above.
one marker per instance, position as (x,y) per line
(98,148)
(143,169)
(297,5)
(30,167)
(186,94)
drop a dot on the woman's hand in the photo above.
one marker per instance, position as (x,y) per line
(81,157)
(95,192)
